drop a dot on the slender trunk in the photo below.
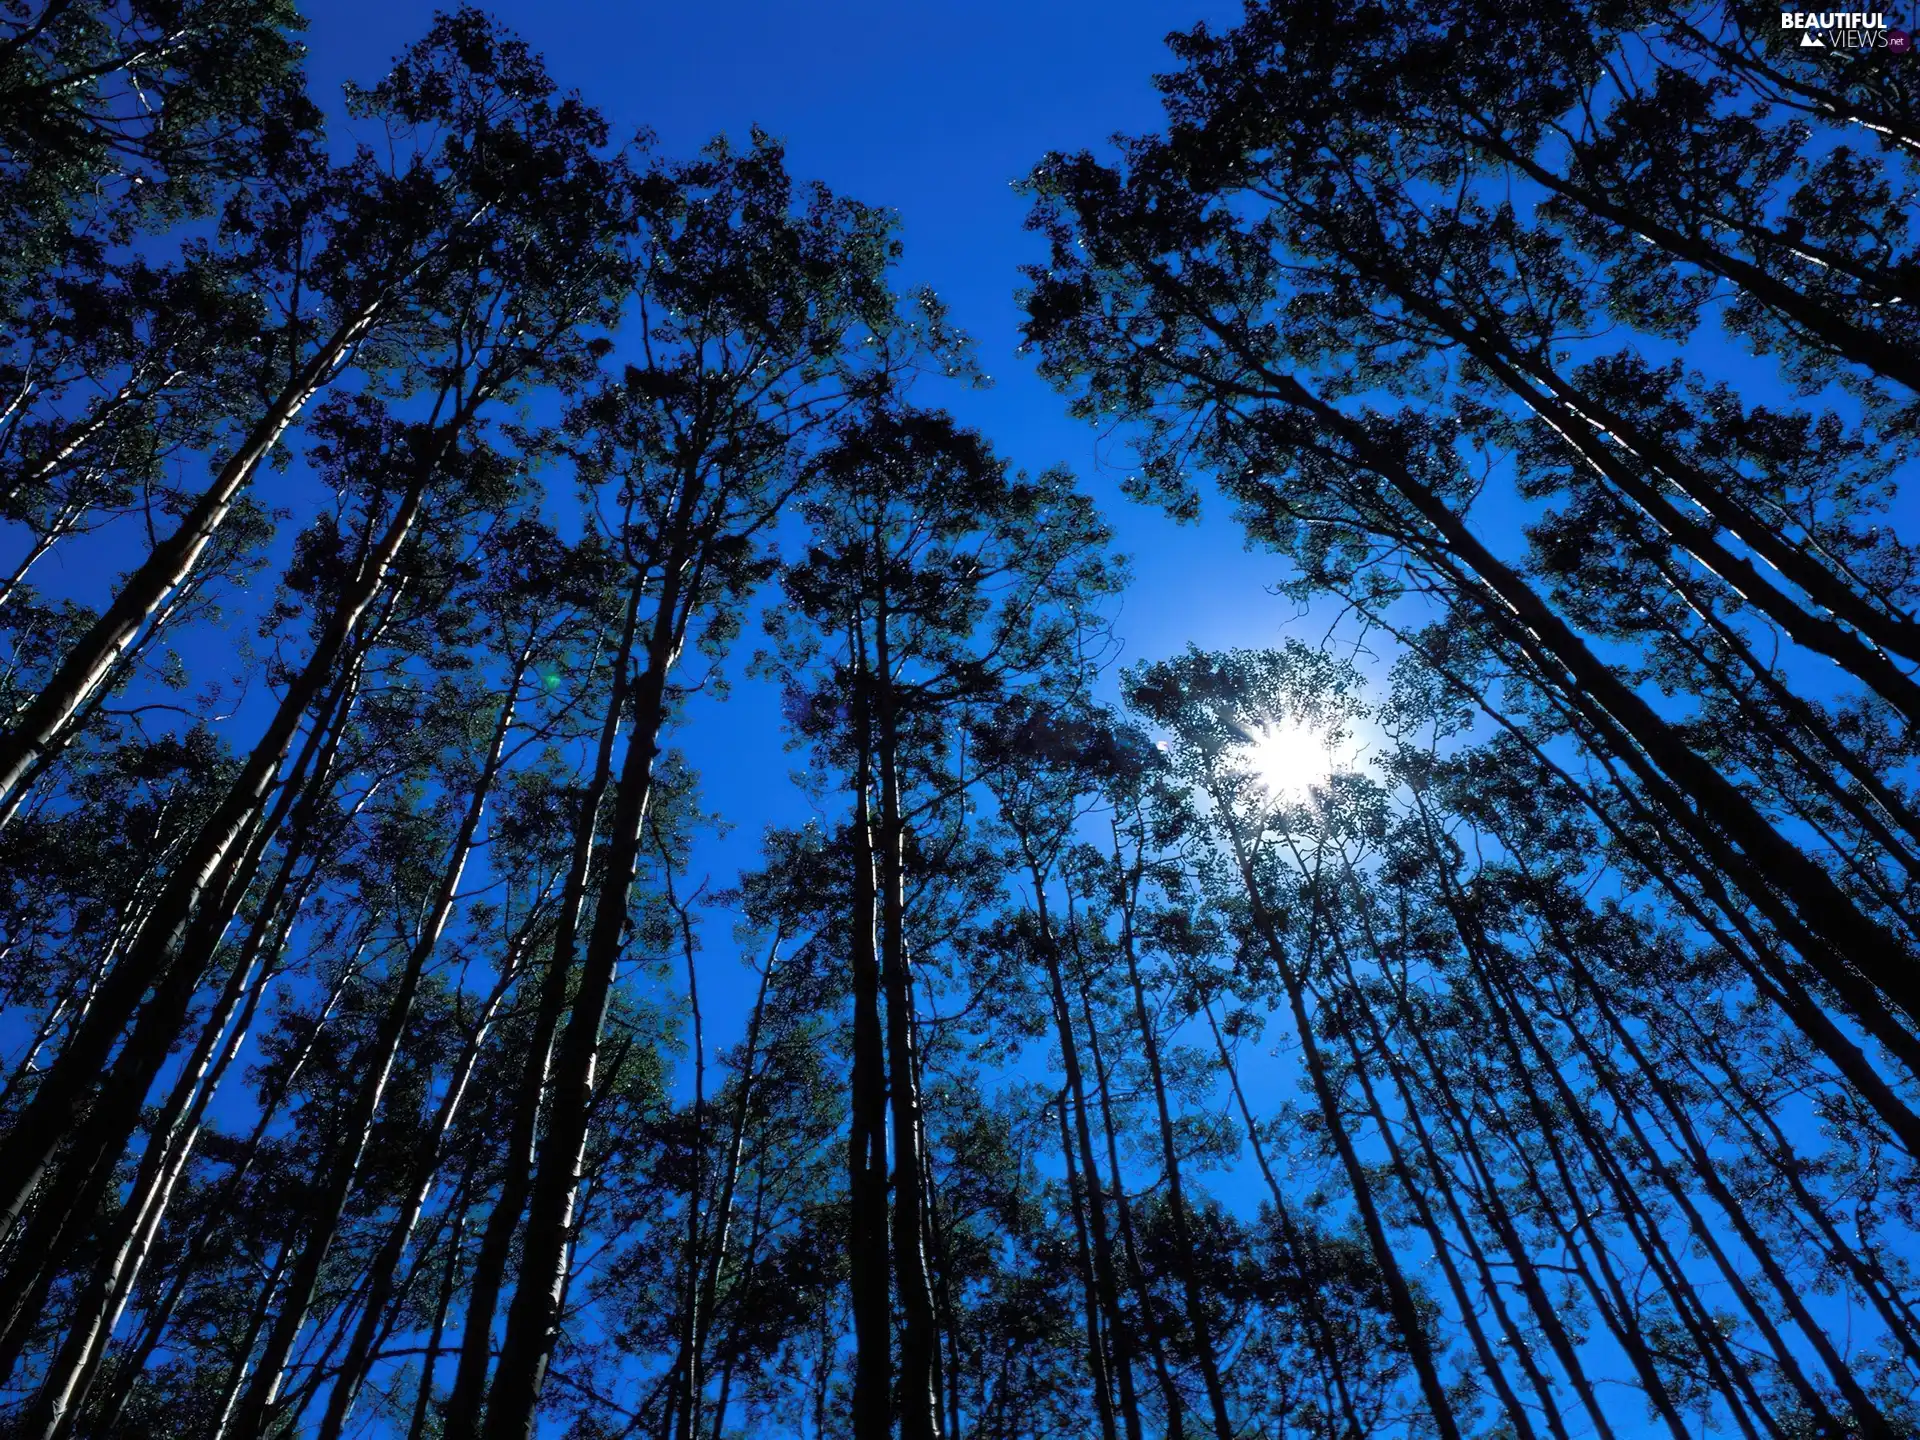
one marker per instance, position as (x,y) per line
(1609,1294)
(1707,1336)
(1874,805)
(1859,944)
(1868,1415)
(256,1322)
(56,530)
(1754,1113)
(1290,1235)
(314,1362)
(168,1152)
(870,1268)
(1644,1226)
(1731,850)
(395,1305)
(1714,910)
(939,1277)
(748,1277)
(62,448)
(449,1281)
(823,1369)
(1197,1321)
(78,1187)
(533,1315)
(1436,1166)
(1442,1175)
(174,1134)
(1818,634)
(1516,1413)
(1584,424)
(723,1400)
(195,907)
(153,1331)
(1778,981)
(329,1202)
(1090,1292)
(1546,1313)
(918,1389)
(722,1230)
(82,719)
(69,1001)
(1130,1250)
(1105,1282)
(384,1269)
(37,729)
(461,1417)
(683,1404)
(1400,1297)
(1841,336)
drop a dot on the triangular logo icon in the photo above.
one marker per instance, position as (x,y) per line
(1811,41)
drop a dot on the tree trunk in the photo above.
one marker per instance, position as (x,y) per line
(1090,1290)
(1868,1415)
(1289,1228)
(182,914)
(80,1184)
(1755,1117)
(1123,1213)
(1847,943)
(1732,930)
(256,1322)
(175,1132)
(1841,336)
(383,1272)
(449,1281)
(1400,1299)
(870,1267)
(461,1417)
(342,1167)
(1403,1170)
(1608,1293)
(168,1152)
(1197,1321)
(918,1389)
(1546,1313)
(1736,1388)
(1103,1276)
(153,1330)
(533,1315)
(37,729)
(1801,720)
(684,1397)
(720,1235)
(1579,420)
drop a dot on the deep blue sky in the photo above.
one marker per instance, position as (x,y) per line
(932,108)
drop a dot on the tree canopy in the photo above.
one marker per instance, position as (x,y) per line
(1485,1009)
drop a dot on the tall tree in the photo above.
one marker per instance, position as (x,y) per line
(935,578)
(763,320)
(1204,286)
(520,307)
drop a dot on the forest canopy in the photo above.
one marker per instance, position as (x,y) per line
(1477,1010)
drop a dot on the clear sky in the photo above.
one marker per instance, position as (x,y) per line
(934,108)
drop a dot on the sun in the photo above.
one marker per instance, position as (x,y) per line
(1286,760)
